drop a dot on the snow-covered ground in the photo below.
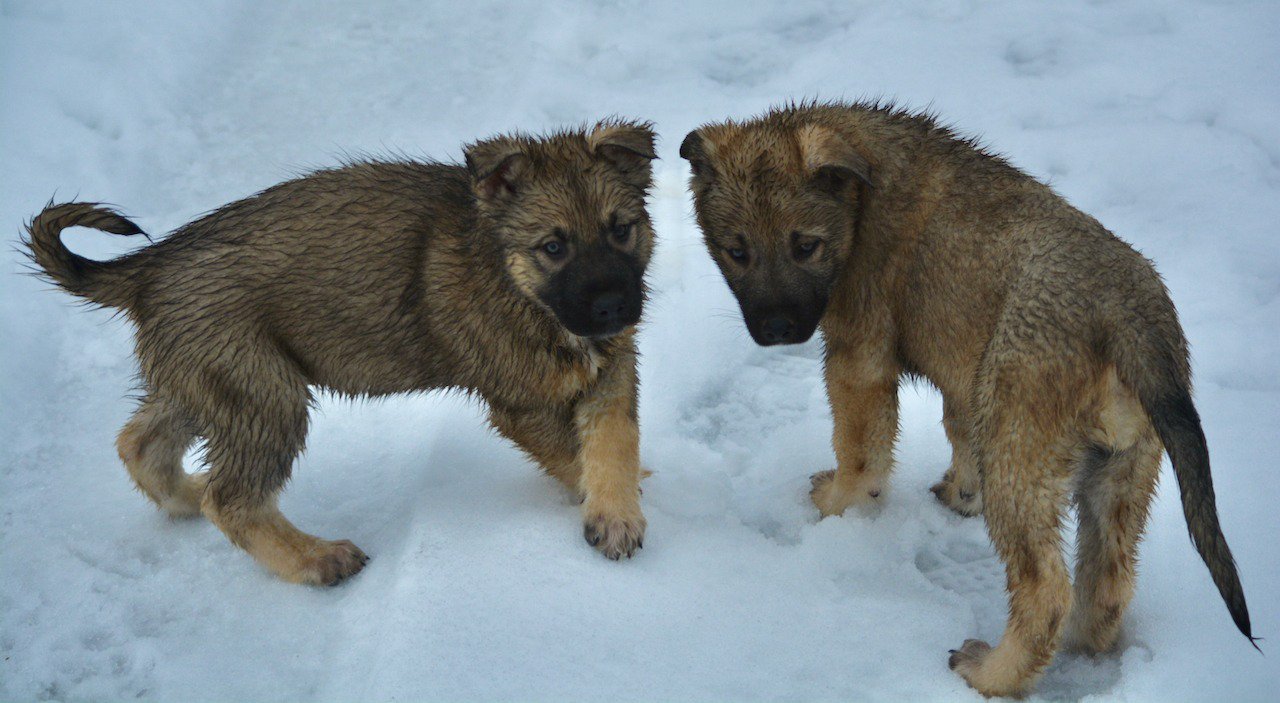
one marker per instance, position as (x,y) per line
(1158,117)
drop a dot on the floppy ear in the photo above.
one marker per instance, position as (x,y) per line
(696,150)
(496,166)
(830,160)
(627,145)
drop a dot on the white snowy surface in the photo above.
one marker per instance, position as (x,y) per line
(1159,117)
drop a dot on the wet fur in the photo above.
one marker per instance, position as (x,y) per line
(366,280)
(1055,345)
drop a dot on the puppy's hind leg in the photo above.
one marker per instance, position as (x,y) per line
(151,445)
(256,427)
(1026,456)
(1112,502)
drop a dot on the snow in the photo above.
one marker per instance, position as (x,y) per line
(1158,117)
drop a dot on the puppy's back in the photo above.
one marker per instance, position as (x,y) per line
(327,268)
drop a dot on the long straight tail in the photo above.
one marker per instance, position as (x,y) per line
(1154,363)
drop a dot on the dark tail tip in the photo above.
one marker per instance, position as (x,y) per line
(1178,424)
(1240,614)
(113,222)
(126,227)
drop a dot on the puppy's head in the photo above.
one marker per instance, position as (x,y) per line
(570,212)
(777,204)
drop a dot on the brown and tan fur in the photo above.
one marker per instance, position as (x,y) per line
(1062,365)
(379,278)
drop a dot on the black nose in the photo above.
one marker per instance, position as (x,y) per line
(777,329)
(608,308)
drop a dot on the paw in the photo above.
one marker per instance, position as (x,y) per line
(329,563)
(964,497)
(833,499)
(968,658)
(617,534)
(976,665)
(967,661)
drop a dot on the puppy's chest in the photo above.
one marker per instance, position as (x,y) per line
(578,370)
(559,372)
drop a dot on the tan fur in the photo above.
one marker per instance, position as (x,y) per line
(610,479)
(379,278)
(288,552)
(151,446)
(865,429)
(1054,344)
(960,488)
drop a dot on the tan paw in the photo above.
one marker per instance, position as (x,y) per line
(964,497)
(977,664)
(969,657)
(967,661)
(616,534)
(833,499)
(328,563)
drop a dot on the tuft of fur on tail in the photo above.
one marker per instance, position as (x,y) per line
(1156,367)
(106,283)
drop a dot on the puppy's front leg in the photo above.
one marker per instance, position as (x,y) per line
(961,487)
(609,455)
(862,386)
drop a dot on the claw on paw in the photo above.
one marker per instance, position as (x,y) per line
(615,537)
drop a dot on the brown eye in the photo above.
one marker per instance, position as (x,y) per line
(621,233)
(804,247)
(738,254)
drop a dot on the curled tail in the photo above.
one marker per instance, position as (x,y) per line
(103,282)
(1154,364)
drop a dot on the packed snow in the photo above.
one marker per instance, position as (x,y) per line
(1159,117)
